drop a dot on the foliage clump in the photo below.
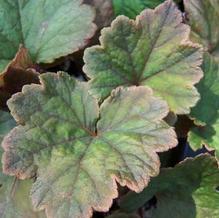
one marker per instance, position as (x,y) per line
(104,138)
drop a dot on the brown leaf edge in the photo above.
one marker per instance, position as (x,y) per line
(187,161)
(32,172)
(87,40)
(186,42)
(104,12)
(115,179)
(19,72)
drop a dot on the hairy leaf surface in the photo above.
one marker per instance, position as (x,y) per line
(153,50)
(203,19)
(206,112)
(48,29)
(187,190)
(78,149)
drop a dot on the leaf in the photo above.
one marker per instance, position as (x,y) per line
(48,29)
(154,50)
(22,60)
(6,123)
(17,204)
(79,150)
(131,8)
(187,190)
(14,194)
(206,112)
(203,19)
(19,72)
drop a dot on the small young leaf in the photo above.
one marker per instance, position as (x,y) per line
(131,8)
(206,112)
(187,190)
(153,50)
(79,150)
(14,194)
(48,29)
(203,19)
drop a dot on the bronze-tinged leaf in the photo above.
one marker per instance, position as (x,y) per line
(14,194)
(20,71)
(78,149)
(153,50)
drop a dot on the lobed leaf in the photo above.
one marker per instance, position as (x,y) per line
(203,19)
(187,190)
(14,194)
(206,112)
(48,29)
(154,51)
(79,150)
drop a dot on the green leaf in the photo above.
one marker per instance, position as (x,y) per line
(131,8)
(203,19)
(15,201)
(187,190)
(206,112)
(14,194)
(48,29)
(154,50)
(3,64)
(6,124)
(79,150)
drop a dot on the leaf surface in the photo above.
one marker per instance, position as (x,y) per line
(154,51)
(187,190)
(78,149)
(48,29)
(14,194)
(6,124)
(203,19)
(15,201)
(131,8)
(206,112)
